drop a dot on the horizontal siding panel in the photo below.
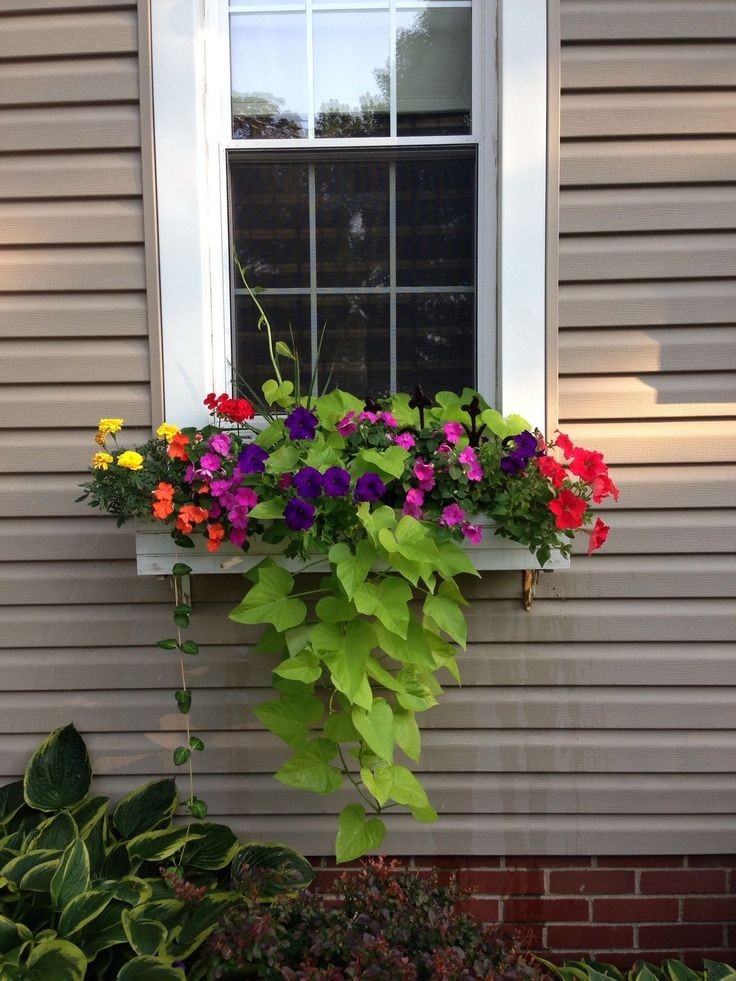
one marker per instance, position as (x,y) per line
(70,128)
(39,539)
(647,209)
(659,442)
(454,793)
(73,315)
(55,360)
(654,396)
(53,6)
(148,753)
(551,620)
(671,256)
(656,349)
(71,175)
(594,663)
(670,533)
(48,495)
(679,486)
(647,20)
(676,113)
(112,267)
(89,80)
(31,583)
(59,406)
(640,161)
(673,66)
(68,451)
(59,34)
(70,222)
(478,710)
(663,303)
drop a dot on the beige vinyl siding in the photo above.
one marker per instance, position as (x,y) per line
(602,721)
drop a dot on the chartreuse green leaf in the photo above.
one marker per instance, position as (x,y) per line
(374,521)
(267,601)
(146,808)
(352,568)
(81,910)
(332,407)
(271,508)
(72,877)
(381,676)
(345,649)
(355,835)
(504,426)
(406,733)
(58,774)
(146,968)
(309,768)
(413,649)
(278,393)
(340,729)
(453,560)
(445,612)
(378,782)
(57,959)
(290,716)
(411,539)
(407,790)
(284,459)
(387,463)
(416,693)
(388,600)
(376,727)
(153,846)
(333,609)
(305,667)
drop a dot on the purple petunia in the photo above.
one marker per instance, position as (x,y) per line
(308,482)
(369,487)
(252,459)
(301,423)
(298,514)
(526,446)
(336,482)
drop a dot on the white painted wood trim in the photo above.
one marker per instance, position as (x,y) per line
(522,207)
(156,553)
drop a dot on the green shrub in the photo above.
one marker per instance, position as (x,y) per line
(384,925)
(83,893)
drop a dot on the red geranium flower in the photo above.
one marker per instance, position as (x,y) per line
(225,407)
(568,509)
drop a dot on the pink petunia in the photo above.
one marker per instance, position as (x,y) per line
(388,420)
(246,497)
(238,516)
(424,472)
(444,449)
(453,432)
(406,440)
(474,533)
(238,537)
(346,427)
(413,503)
(220,443)
(453,514)
(469,458)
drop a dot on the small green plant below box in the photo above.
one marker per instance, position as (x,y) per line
(669,970)
(89,891)
(382,924)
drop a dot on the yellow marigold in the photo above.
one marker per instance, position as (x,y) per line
(167,431)
(130,460)
(110,425)
(101,461)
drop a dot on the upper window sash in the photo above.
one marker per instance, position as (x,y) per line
(192,114)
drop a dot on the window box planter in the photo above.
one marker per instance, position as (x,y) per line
(156,553)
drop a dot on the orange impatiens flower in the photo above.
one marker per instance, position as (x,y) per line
(162,509)
(164,491)
(215,533)
(176,449)
(190,514)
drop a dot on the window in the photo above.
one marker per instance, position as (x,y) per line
(348,150)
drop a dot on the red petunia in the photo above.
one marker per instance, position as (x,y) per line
(565,444)
(569,509)
(598,535)
(603,486)
(550,468)
(587,464)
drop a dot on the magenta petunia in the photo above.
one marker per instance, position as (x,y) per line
(474,533)
(238,537)
(453,431)
(424,472)
(413,503)
(452,515)
(405,440)
(209,464)
(238,516)
(220,443)
(346,426)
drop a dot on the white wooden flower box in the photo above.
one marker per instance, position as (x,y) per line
(157,552)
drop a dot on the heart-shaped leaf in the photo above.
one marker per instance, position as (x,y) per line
(355,835)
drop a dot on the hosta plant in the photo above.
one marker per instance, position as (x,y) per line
(93,891)
(668,970)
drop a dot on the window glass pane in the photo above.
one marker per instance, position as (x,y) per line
(435,218)
(436,342)
(352,212)
(356,343)
(351,77)
(270,222)
(268,75)
(252,364)
(433,71)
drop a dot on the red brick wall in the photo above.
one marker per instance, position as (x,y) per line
(613,908)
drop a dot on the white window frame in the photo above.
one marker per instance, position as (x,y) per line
(190,57)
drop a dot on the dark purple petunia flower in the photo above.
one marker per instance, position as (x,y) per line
(525,444)
(513,463)
(369,487)
(302,424)
(308,482)
(298,514)
(252,459)
(336,482)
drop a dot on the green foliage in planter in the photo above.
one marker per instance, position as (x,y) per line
(669,970)
(383,924)
(81,889)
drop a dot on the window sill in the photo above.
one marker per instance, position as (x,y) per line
(156,554)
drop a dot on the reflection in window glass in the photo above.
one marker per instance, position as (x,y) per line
(433,71)
(268,75)
(289,318)
(436,342)
(356,342)
(351,77)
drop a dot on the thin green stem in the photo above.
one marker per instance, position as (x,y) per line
(263,318)
(371,803)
